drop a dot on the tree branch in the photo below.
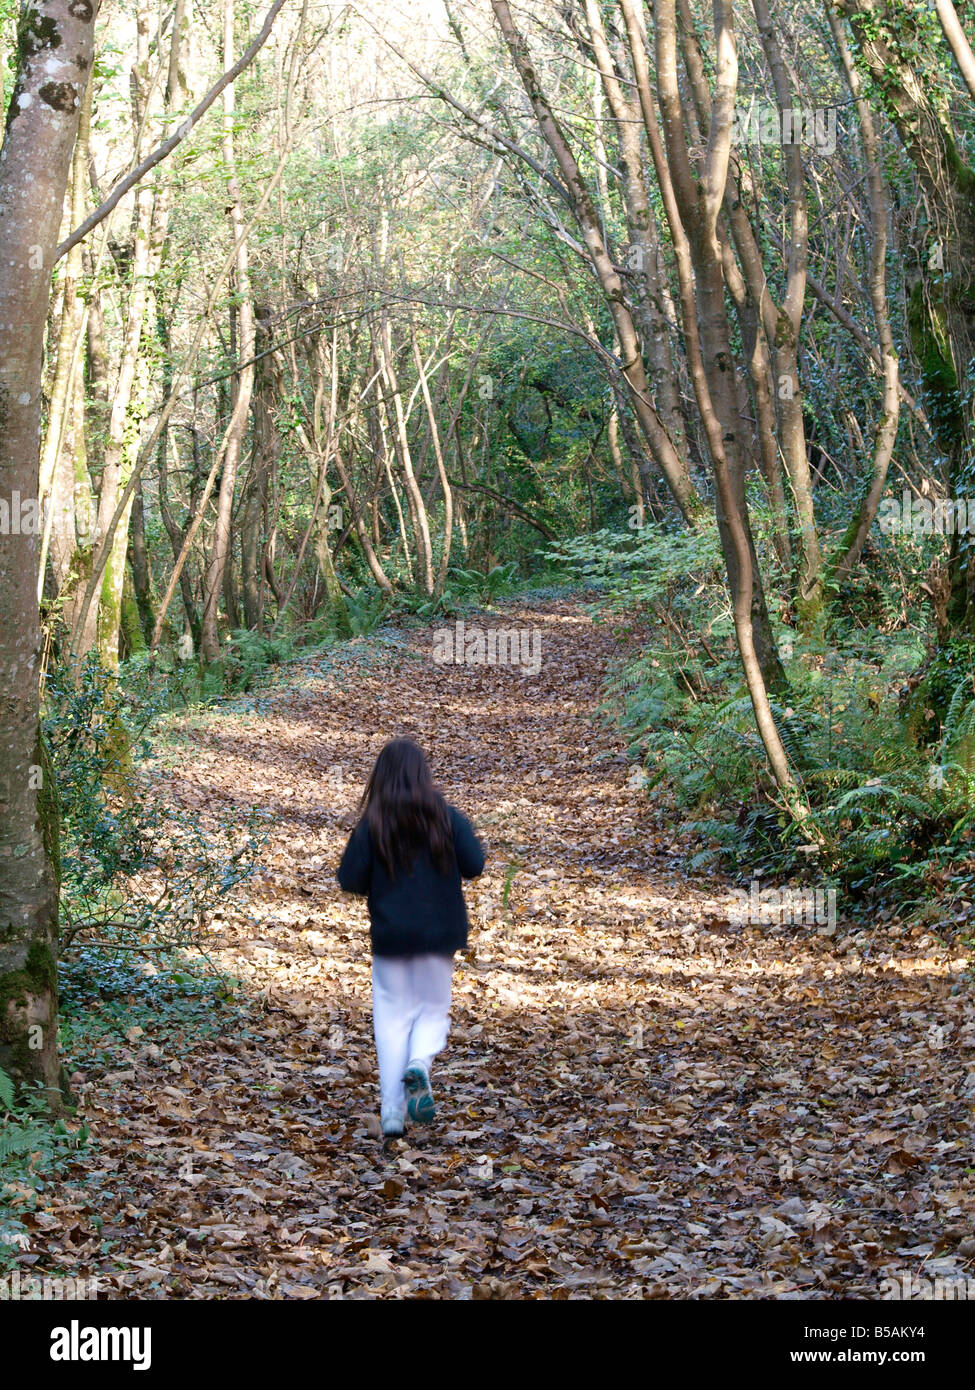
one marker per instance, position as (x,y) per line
(162,151)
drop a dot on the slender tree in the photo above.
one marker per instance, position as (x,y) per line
(54,58)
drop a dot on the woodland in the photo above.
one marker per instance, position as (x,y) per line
(583,388)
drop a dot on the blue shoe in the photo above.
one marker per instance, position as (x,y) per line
(420,1103)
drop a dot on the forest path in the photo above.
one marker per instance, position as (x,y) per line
(638,1098)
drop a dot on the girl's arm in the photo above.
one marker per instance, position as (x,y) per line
(467,847)
(355,870)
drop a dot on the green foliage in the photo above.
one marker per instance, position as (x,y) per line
(478,586)
(647,567)
(939,706)
(894,808)
(107,1000)
(8,19)
(470,588)
(34,1154)
(105,995)
(366,609)
(249,655)
(132,871)
(247,659)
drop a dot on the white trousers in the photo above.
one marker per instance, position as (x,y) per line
(410,1017)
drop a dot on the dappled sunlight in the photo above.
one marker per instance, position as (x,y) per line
(635,1088)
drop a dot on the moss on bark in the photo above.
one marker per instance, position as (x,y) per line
(49,809)
(927,325)
(38,974)
(131,619)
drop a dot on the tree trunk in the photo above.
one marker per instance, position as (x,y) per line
(643,255)
(65,399)
(692,214)
(941,309)
(139,561)
(122,440)
(220,554)
(434,436)
(396,417)
(672,466)
(699,207)
(852,543)
(55,48)
(176,537)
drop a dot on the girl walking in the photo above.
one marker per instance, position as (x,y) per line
(408,854)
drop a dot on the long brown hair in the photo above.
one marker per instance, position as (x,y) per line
(405,811)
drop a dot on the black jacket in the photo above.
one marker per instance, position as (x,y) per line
(419,911)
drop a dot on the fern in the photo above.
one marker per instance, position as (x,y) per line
(895,799)
(33,1151)
(959,721)
(16,1140)
(833,777)
(956,710)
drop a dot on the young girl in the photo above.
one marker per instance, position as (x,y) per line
(408,854)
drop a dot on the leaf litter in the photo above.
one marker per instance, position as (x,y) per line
(640,1098)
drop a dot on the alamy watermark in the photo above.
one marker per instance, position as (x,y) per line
(29,516)
(22,1288)
(926,516)
(811,127)
(942,1288)
(493,646)
(21,516)
(758,906)
(77,1343)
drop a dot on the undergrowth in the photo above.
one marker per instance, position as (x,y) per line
(894,803)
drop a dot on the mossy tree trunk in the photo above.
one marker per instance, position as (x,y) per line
(55,41)
(139,564)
